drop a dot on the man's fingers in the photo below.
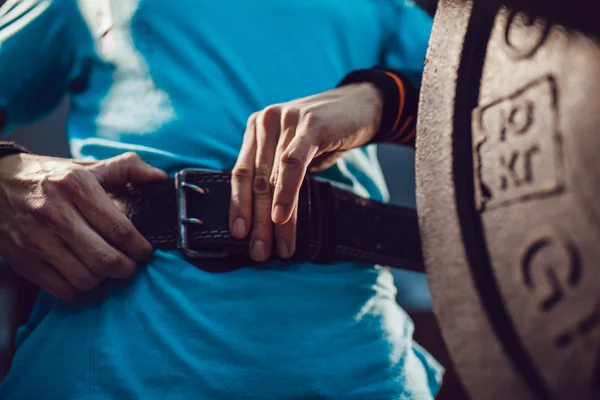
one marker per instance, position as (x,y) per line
(87,242)
(69,265)
(286,236)
(240,208)
(292,169)
(289,121)
(112,225)
(267,136)
(100,257)
(126,168)
(53,282)
(46,277)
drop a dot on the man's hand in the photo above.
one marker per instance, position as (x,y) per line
(59,228)
(280,143)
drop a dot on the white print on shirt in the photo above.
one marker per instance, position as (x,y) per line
(133,105)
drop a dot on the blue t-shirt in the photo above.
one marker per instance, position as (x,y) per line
(175,82)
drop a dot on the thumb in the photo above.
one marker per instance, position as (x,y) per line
(126,168)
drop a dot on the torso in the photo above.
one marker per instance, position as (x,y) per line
(175,81)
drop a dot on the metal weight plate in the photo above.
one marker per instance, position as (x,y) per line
(508,175)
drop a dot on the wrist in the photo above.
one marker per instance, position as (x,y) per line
(10,148)
(373,99)
(398,107)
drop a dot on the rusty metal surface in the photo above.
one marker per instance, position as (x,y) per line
(507,176)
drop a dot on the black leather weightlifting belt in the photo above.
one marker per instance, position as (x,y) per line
(190,213)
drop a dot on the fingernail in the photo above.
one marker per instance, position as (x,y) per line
(257,252)
(283,248)
(238,229)
(278,216)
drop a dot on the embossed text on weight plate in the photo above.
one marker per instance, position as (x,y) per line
(517,146)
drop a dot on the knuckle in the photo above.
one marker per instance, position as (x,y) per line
(50,213)
(84,282)
(270,116)
(261,185)
(43,209)
(71,181)
(311,119)
(289,116)
(271,111)
(31,242)
(131,156)
(251,120)
(107,262)
(120,233)
(292,161)
(68,181)
(242,172)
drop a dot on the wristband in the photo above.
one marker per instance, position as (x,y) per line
(9,148)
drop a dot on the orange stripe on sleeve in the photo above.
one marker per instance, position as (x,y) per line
(402,130)
(401,105)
